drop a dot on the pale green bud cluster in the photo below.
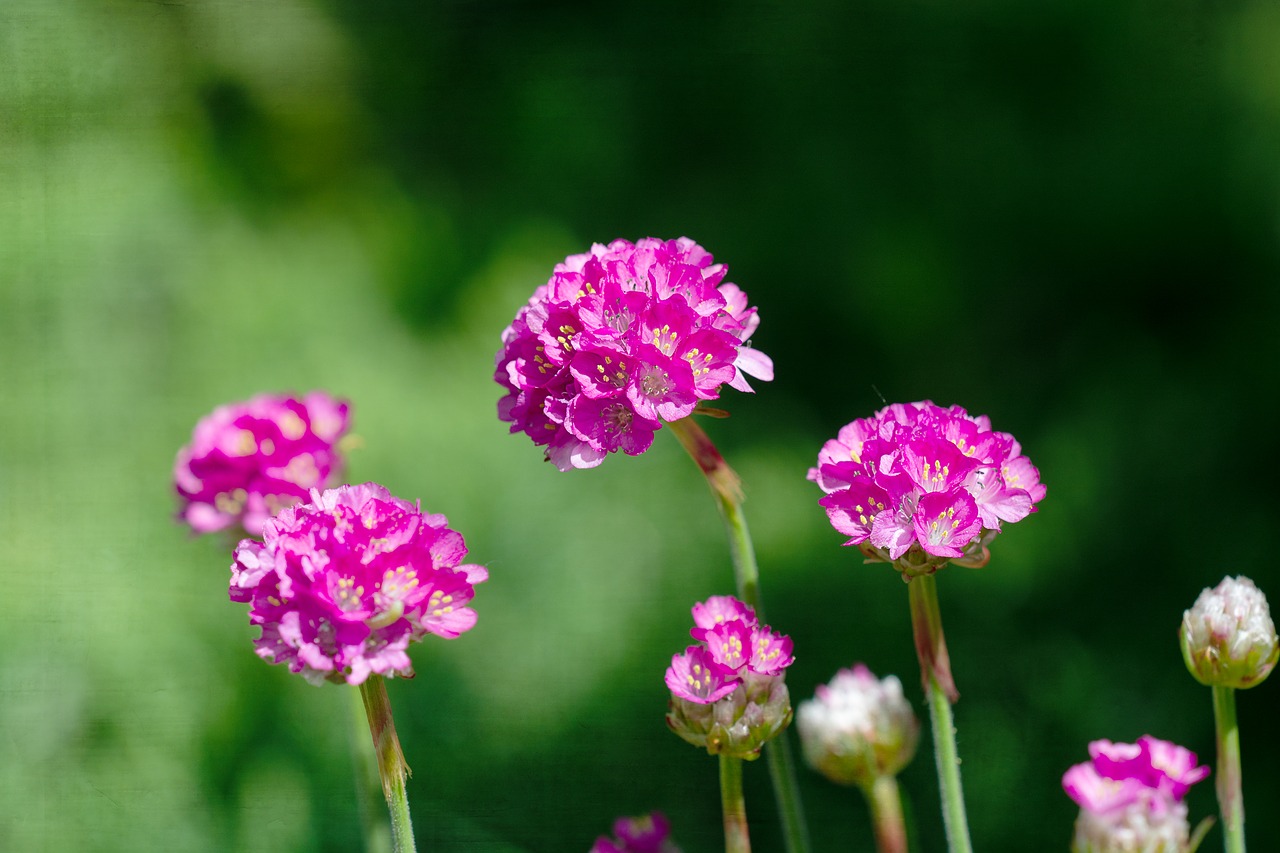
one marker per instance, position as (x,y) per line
(738,725)
(1228,638)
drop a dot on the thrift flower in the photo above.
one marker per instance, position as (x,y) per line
(858,728)
(247,461)
(645,834)
(728,694)
(917,485)
(1228,637)
(1130,797)
(341,585)
(619,340)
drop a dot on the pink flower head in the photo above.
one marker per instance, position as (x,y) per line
(736,645)
(644,834)
(1130,795)
(247,461)
(619,340)
(918,485)
(730,695)
(341,585)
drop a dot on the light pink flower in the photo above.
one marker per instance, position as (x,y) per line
(247,461)
(341,585)
(620,340)
(917,485)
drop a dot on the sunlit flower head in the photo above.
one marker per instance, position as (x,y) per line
(858,728)
(1228,637)
(247,461)
(1131,796)
(644,834)
(341,585)
(621,339)
(918,485)
(728,692)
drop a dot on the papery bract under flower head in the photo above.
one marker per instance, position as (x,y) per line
(341,585)
(1130,796)
(918,485)
(247,461)
(619,340)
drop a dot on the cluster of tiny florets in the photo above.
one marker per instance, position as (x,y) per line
(728,692)
(918,485)
(247,461)
(341,585)
(619,340)
(1131,796)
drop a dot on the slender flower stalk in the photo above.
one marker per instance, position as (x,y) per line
(734,806)
(377,838)
(886,815)
(726,487)
(1228,783)
(392,769)
(940,692)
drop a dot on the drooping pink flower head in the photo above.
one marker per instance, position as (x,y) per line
(247,461)
(619,340)
(917,485)
(1131,796)
(728,692)
(341,585)
(644,834)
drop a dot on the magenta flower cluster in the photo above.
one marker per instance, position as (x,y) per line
(645,834)
(341,585)
(734,649)
(620,339)
(918,485)
(247,461)
(1130,795)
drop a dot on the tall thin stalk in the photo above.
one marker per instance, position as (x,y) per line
(392,768)
(727,489)
(1228,783)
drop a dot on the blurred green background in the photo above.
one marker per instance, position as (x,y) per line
(1065,215)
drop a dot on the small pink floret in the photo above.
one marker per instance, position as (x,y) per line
(341,585)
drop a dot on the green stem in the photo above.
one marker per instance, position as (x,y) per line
(391,764)
(1230,794)
(940,689)
(736,839)
(886,815)
(377,837)
(727,489)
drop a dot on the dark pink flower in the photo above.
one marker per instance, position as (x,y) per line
(247,461)
(730,695)
(918,485)
(341,585)
(1130,796)
(620,340)
(645,834)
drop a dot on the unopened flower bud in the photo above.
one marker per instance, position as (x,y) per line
(858,728)
(1228,638)
(737,725)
